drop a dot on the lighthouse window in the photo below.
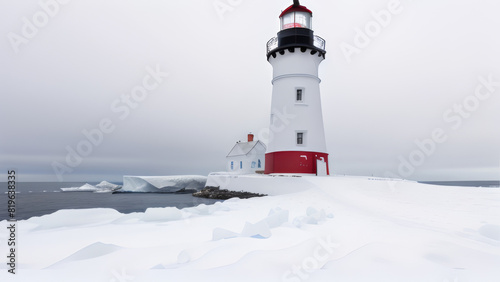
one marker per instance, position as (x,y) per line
(241,165)
(259,164)
(299,96)
(301,19)
(232,165)
(300,138)
(287,21)
(296,20)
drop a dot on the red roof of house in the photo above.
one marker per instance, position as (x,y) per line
(294,8)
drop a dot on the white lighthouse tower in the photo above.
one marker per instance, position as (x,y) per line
(297,139)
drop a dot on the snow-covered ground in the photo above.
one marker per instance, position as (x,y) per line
(335,229)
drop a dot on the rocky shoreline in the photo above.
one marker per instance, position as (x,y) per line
(224,194)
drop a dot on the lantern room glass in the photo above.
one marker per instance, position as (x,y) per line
(296,20)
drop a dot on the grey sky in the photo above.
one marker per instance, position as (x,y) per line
(376,102)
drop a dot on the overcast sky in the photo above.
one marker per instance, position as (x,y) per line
(387,81)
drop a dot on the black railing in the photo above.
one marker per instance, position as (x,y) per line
(272,44)
(318,43)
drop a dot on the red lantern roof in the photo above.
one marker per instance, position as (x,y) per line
(295,8)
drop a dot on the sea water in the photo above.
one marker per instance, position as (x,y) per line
(41,198)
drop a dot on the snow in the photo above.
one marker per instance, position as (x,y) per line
(165,184)
(258,183)
(333,229)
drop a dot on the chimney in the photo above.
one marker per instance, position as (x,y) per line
(250,137)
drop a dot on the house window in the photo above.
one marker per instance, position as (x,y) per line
(232,165)
(241,165)
(259,164)
(300,138)
(253,164)
(299,95)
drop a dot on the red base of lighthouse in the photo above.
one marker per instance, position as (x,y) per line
(294,162)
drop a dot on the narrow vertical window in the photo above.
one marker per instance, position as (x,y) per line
(300,138)
(232,165)
(299,97)
(241,165)
(258,164)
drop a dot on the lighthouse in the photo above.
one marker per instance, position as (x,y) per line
(296,142)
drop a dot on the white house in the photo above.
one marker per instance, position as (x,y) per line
(247,157)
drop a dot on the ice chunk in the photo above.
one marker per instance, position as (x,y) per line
(107,185)
(158,266)
(163,184)
(183,257)
(277,217)
(102,187)
(313,216)
(261,229)
(257,230)
(84,188)
(221,233)
(162,214)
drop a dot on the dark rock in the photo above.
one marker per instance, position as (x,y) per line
(224,194)
(186,191)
